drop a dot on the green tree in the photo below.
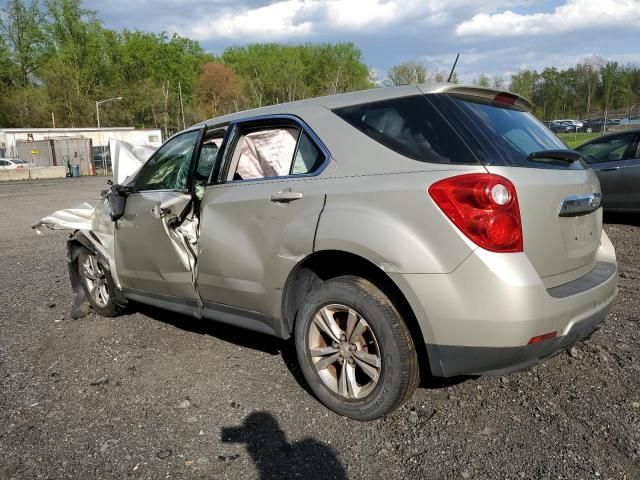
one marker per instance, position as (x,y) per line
(407,73)
(482,81)
(21,28)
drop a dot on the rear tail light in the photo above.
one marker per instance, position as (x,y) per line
(542,338)
(484,207)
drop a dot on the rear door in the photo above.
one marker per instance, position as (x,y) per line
(607,156)
(503,136)
(630,178)
(258,218)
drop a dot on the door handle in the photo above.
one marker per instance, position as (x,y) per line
(611,169)
(285,196)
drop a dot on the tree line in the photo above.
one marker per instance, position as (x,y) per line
(57,59)
(592,87)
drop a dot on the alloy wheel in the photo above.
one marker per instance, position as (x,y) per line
(344,351)
(96,281)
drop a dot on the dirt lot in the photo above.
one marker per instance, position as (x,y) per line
(152,395)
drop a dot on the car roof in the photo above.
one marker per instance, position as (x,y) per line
(365,96)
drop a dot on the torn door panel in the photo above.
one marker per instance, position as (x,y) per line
(95,229)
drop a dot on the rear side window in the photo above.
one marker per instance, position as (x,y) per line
(266,153)
(272,148)
(501,135)
(308,156)
(410,126)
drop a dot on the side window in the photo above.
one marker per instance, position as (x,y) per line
(308,156)
(409,126)
(168,168)
(608,149)
(265,153)
(268,151)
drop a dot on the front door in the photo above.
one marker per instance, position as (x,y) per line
(151,249)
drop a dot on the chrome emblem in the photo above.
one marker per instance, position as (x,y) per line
(575,205)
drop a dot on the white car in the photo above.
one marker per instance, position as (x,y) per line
(11,163)
(574,123)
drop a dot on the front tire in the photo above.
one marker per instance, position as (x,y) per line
(97,284)
(354,349)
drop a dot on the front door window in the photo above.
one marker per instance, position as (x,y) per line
(168,168)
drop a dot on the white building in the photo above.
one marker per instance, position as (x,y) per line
(99,137)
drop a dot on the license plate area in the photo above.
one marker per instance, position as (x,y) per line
(581,234)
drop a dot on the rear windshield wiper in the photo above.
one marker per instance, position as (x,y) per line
(568,156)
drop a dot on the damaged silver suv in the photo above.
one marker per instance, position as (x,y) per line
(438,227)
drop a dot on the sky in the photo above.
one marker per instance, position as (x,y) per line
(495,37)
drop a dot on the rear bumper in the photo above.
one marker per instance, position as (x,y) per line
(449,361)
(479,318)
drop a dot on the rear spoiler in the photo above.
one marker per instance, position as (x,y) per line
(489,95)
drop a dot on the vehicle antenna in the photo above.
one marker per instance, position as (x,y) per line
(453,68)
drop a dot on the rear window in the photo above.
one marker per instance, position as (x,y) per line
(501,135)
(410,126)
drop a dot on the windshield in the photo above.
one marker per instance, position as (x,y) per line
(501,135)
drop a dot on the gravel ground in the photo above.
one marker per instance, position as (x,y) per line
(152,395)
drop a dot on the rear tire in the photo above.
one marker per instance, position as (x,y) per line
(354,349)
(98,285)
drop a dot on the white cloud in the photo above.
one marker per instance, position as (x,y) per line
(573,15)
(285,19)
(294,18)
(272,21)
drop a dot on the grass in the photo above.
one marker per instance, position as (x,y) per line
(575,139)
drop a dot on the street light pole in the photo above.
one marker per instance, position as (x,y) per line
(98,103)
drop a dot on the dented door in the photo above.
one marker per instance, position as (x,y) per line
(156,238)
(151,254)
(252,235)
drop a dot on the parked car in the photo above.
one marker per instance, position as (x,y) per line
(557,127)
(616,160)
(576,124)
(434,228)
(596,125)
(11,163)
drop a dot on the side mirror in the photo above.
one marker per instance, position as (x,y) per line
(117,198)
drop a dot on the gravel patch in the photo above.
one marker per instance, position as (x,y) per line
(153,394)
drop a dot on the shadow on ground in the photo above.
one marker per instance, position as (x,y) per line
(275,457)
(631,219)
(265,343)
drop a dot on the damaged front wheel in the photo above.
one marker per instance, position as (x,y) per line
(97,285)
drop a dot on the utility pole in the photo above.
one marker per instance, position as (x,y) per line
(53,119)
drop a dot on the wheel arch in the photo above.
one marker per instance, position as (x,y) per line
(326,264)
(77,241)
